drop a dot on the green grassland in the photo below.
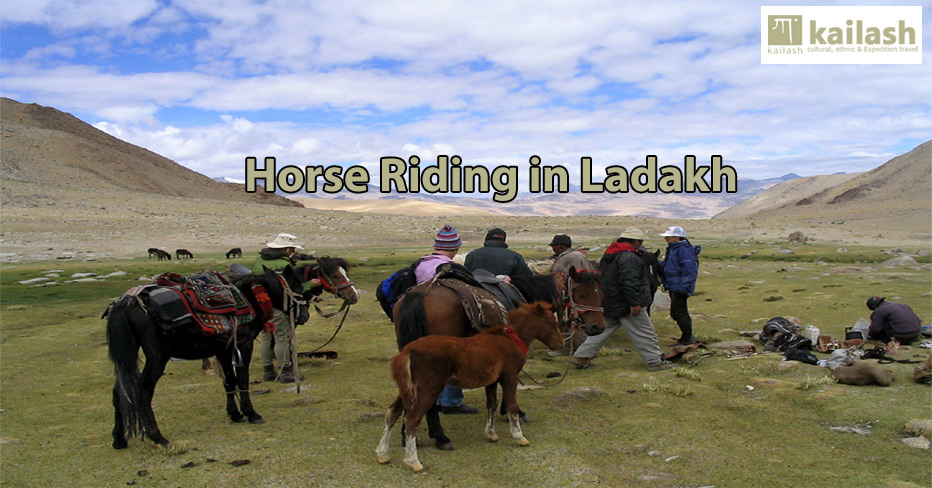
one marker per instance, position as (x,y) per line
(724,423)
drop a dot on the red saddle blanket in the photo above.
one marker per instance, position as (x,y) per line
(205,298)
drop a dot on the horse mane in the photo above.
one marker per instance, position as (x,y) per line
(537,288)
(329,264)
(588,276)
(528,311)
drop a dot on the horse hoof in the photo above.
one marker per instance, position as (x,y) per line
(445,446)
(492,439)
(120,444)
(384,459)
(256,420)
(417,467)
(238,420)
(524,443)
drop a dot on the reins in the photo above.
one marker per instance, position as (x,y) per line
(335,289)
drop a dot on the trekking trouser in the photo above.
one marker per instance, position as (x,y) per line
(679,312)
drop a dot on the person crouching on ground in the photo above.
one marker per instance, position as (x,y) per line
(891,320)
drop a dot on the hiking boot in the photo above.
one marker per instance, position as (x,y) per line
(662,366)
(288,377)
(459,409)
(582,363)
(269,374)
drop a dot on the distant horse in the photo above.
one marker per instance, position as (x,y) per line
(183,253)
(235,253)
(492,357)
(575,296)
(153,252)
(131,326)
(163,255)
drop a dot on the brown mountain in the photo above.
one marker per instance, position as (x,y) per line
(895,195)
(44,149)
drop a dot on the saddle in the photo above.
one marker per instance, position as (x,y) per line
(204,300)
(506,293)
(482,307)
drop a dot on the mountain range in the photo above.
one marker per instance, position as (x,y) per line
(48,153)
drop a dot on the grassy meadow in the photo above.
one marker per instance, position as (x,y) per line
(726,423)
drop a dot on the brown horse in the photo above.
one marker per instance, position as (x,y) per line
(575,296)
(493,356)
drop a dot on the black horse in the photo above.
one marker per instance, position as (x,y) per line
(235,253)
(130,326)
(153,252)
(163,255)
(183,253)
(652,261)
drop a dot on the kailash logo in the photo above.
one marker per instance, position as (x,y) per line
(841,35)
(785,30)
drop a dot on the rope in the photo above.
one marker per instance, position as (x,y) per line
(347,307)
(562,377)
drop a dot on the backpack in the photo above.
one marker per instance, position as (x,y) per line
(391,288)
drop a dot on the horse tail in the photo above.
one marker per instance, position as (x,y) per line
(124,353)
(412,317)
(401,373)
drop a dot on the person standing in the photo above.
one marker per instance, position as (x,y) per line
(626,292)
(276,345)
(891,320)
(678,272)
(495,257)
(447,244)
(565,257)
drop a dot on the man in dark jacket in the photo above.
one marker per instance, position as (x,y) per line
(678,273)
(893,320)
(495,257)
(626,294)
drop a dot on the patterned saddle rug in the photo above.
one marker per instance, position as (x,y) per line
(482,307)
(204,300)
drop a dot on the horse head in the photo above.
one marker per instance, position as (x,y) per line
(333,276)
(537,318)
(586,300)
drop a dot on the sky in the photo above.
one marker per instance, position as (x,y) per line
(208,83)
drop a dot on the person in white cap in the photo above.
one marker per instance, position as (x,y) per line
(277,345)
(626,294)
(678,272)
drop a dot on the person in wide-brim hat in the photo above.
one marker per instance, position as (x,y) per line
(283,241)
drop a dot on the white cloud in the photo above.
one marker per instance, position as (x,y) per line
(318,83)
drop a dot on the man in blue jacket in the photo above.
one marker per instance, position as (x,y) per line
(679,270)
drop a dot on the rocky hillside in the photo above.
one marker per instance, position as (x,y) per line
(44,149)
(897,194)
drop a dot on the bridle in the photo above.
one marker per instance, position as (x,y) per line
(572,311)
(328,283)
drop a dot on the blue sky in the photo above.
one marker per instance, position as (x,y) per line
(208,83)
